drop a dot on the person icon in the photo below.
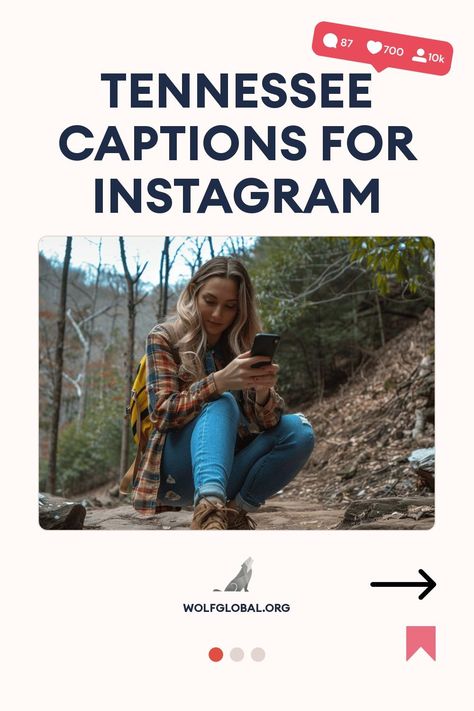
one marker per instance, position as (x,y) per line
(420,56)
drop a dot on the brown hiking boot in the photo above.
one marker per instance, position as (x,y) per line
(239,520)
(209,516)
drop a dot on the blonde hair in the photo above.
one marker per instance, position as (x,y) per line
(188,333)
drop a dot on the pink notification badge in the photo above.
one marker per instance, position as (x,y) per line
(382,49)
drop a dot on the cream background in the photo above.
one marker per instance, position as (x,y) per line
(94,618)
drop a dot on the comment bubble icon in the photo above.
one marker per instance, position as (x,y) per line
(374,47)
(330,40)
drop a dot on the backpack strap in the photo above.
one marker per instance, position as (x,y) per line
(129,476)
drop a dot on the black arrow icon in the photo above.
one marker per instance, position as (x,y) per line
(428,585)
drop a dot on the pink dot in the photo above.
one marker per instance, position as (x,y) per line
(216,654)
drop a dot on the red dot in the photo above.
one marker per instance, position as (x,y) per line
(216,654)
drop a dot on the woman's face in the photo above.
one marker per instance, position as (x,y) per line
(218,304)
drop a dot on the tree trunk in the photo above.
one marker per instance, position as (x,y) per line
(58,374)
(132,302)
(308,365)
(211,247)
(83,399)
(105,354)
(380,319)
(164,280)
(89,337)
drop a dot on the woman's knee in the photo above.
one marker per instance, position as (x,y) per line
(225,406)
(299,430)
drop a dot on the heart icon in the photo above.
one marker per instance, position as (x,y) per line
(374,47)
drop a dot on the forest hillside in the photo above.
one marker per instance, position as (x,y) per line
(368,428)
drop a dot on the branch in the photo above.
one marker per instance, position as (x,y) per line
(326,278)
(97,313)
(178,249)
(341,296)
(123,257)
(128,276)
(140,272)
(77,328)
(74,382)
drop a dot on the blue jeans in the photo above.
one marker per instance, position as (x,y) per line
(200,460)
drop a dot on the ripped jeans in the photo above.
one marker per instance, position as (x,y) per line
(200,460)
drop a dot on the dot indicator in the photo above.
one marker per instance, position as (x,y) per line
(215,654)
(236,654)
(258,654)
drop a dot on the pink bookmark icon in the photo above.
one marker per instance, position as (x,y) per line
(421,638)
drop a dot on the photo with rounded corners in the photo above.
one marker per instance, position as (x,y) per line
(236,383)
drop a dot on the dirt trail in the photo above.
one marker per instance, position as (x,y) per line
(282,516)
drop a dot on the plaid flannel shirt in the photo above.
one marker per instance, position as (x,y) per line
(173,401)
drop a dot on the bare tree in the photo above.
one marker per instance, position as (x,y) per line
(84,329)
(83,322)
(58,375)
(133,299)
(235,247)
(115,285)
(166,264)
(164,279)
(211,247)
(193,256)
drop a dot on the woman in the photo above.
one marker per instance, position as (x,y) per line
(219,440)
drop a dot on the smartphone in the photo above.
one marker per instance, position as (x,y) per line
(264,344)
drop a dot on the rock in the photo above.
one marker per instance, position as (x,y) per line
(404,524)
(423,459)
(57,513)
(389,513)
(423,462)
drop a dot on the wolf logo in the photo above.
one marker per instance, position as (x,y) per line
(241,580)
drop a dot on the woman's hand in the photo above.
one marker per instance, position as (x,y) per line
(239,375)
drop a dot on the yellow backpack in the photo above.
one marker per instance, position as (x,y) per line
(138,407)
(139,422)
